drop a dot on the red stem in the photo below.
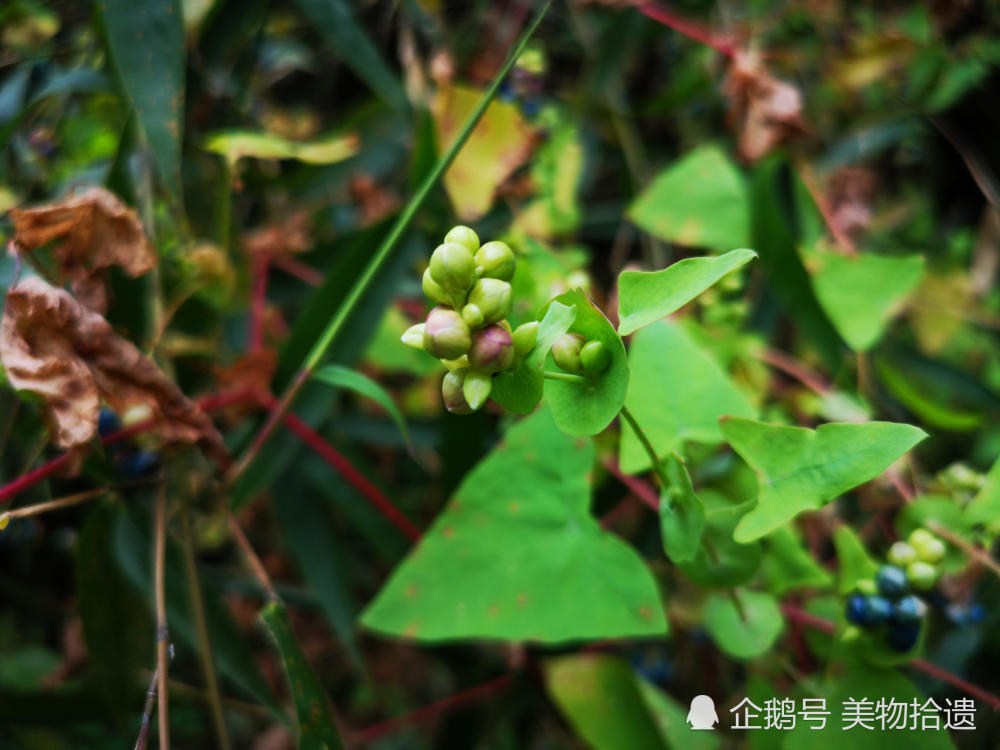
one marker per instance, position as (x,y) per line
(258,305)
(688,28)
(639,488)
(801,372)
(430,711)
(295,267)
(354,477)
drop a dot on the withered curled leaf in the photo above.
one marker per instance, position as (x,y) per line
(286,237)
(95,230)
(766,111)
(51,345)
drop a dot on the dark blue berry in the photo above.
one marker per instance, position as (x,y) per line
(902,638)
(139,464)
(867,611)
(908,610)
(891,581)
(108,422)
(977,613)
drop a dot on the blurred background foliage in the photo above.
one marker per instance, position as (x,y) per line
(258,135)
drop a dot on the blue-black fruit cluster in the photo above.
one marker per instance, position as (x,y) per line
(888,606)
(131,461)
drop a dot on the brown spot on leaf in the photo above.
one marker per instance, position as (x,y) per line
(449,532)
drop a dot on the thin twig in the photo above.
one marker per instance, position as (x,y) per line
(647,446)
(688,28)
(978,554)
(369,734)
(256,566)
(142,742)
(639,488)
(791,366)
(198,611)
(162,632)
(39,508)
(295,267)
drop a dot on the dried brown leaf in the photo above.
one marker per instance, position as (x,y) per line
(766,111)
(51,345)
(95,230)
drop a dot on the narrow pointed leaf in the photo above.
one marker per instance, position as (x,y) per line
(317,727)
(524,558)
(799,469)
(677,393)
(853,562)
(860,294)
(146,41)
(234,145)
(587,408)
(344,377)
(646,296)
(598,695)
(520,390)
(335,22)
(682,514)
(699,201)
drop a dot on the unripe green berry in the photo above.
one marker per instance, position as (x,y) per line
(525,337)
(492,350)
(495,260)
(931,550)
(463,235)
(446,335)
(433,291)
(476,388)
(493,298)
(566,352)
(472,315)
(414,336)
(453,268)
(919,537)
(595,357)
(452,392)
(901,554)
(922,576)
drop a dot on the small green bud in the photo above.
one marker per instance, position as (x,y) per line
(451,392)
(472,315)
(446,335)
(901,554)
(456,364)
(453,268)
(414,336)
(492,350)
(495,260)
(566,352)
(525,336)
(595,357)
(922,576)
(462,235)
(476,388)
(493,298)
(433,290)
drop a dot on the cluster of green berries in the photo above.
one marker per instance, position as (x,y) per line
(573,353)
(888,601)
(467,329)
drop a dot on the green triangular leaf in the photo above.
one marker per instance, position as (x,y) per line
(747,629)
(646,296)
(676,393)
(517,555)
(853,560)
(699,201)
(860,294)
(799,469)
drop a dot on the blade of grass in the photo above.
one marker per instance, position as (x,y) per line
(333,328)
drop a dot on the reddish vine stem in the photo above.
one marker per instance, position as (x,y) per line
(688,28)
(295,267)
(791,366)
(368,734)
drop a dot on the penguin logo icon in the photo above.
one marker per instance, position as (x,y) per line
(702,714)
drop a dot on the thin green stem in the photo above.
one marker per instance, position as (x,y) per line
(381,255)
(201,625)
(566,377)
(647,446)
